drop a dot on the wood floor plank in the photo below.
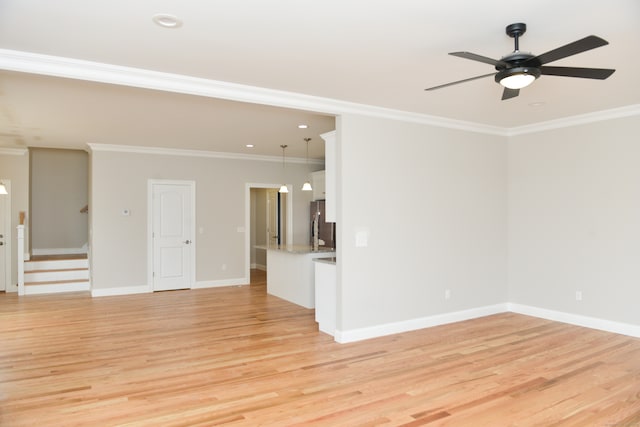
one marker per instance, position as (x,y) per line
(238,357)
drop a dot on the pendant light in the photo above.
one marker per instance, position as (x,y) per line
(3,189)
(307,185)
(283,187)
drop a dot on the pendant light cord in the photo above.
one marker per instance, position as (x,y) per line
(307,141)
(283,147)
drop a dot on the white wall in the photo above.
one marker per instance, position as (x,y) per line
(574,220)
(119,181)
(433,203)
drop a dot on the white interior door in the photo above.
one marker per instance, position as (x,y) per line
(173,221)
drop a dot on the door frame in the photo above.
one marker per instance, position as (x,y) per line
(247,222)
(8,239)
(192,248)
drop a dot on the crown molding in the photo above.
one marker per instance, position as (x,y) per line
(93,147)
(13,151)
(614,113)
(48,65)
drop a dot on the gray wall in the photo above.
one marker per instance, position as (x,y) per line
(119,181)
(574,220)
(528,219)
(433,203)
(59,189)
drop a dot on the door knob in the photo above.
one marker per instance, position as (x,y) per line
(188,242)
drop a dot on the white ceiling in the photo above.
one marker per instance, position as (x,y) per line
(373,52)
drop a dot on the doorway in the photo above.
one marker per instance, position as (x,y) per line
(276,213)
(171,234)
(5,237)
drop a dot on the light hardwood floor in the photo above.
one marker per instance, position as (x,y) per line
(238,357)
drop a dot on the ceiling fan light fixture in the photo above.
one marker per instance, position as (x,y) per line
(517,77)
(166,20)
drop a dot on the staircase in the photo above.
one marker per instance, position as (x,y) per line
(53,274)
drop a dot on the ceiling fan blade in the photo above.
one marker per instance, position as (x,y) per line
(586,73)
(460,81)
(578,46)
(475,57)
(510,93)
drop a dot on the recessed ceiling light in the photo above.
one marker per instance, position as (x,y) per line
(249,145)
(303,126)
(167,21)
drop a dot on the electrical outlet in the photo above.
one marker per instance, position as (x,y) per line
(447,294)
(578,295)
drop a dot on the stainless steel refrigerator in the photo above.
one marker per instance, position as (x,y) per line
(325,231)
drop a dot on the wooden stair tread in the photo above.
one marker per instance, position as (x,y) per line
(57,257)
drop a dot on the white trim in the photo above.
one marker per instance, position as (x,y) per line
(20,260)
(261,267)
(577,319)
(195,153)
(346,336)
(247,220)
(59,251)
(615,113)
(6,151)
(57,288)
(242,281)
(35,63)
(192,247)
(125,290)
(48,65)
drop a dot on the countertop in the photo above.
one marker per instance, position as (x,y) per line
(296,249)
(328,260)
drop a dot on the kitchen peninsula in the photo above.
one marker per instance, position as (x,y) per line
(290,272)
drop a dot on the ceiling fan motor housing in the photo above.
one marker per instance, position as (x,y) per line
(517,63)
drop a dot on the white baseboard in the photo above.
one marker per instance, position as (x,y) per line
(458,316)
(129,290)
(578,320)
(414,324)
(259,267)
(59,251)
(125,290)
(220,283)
(56,288)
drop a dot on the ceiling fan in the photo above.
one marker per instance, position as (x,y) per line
(519,69)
